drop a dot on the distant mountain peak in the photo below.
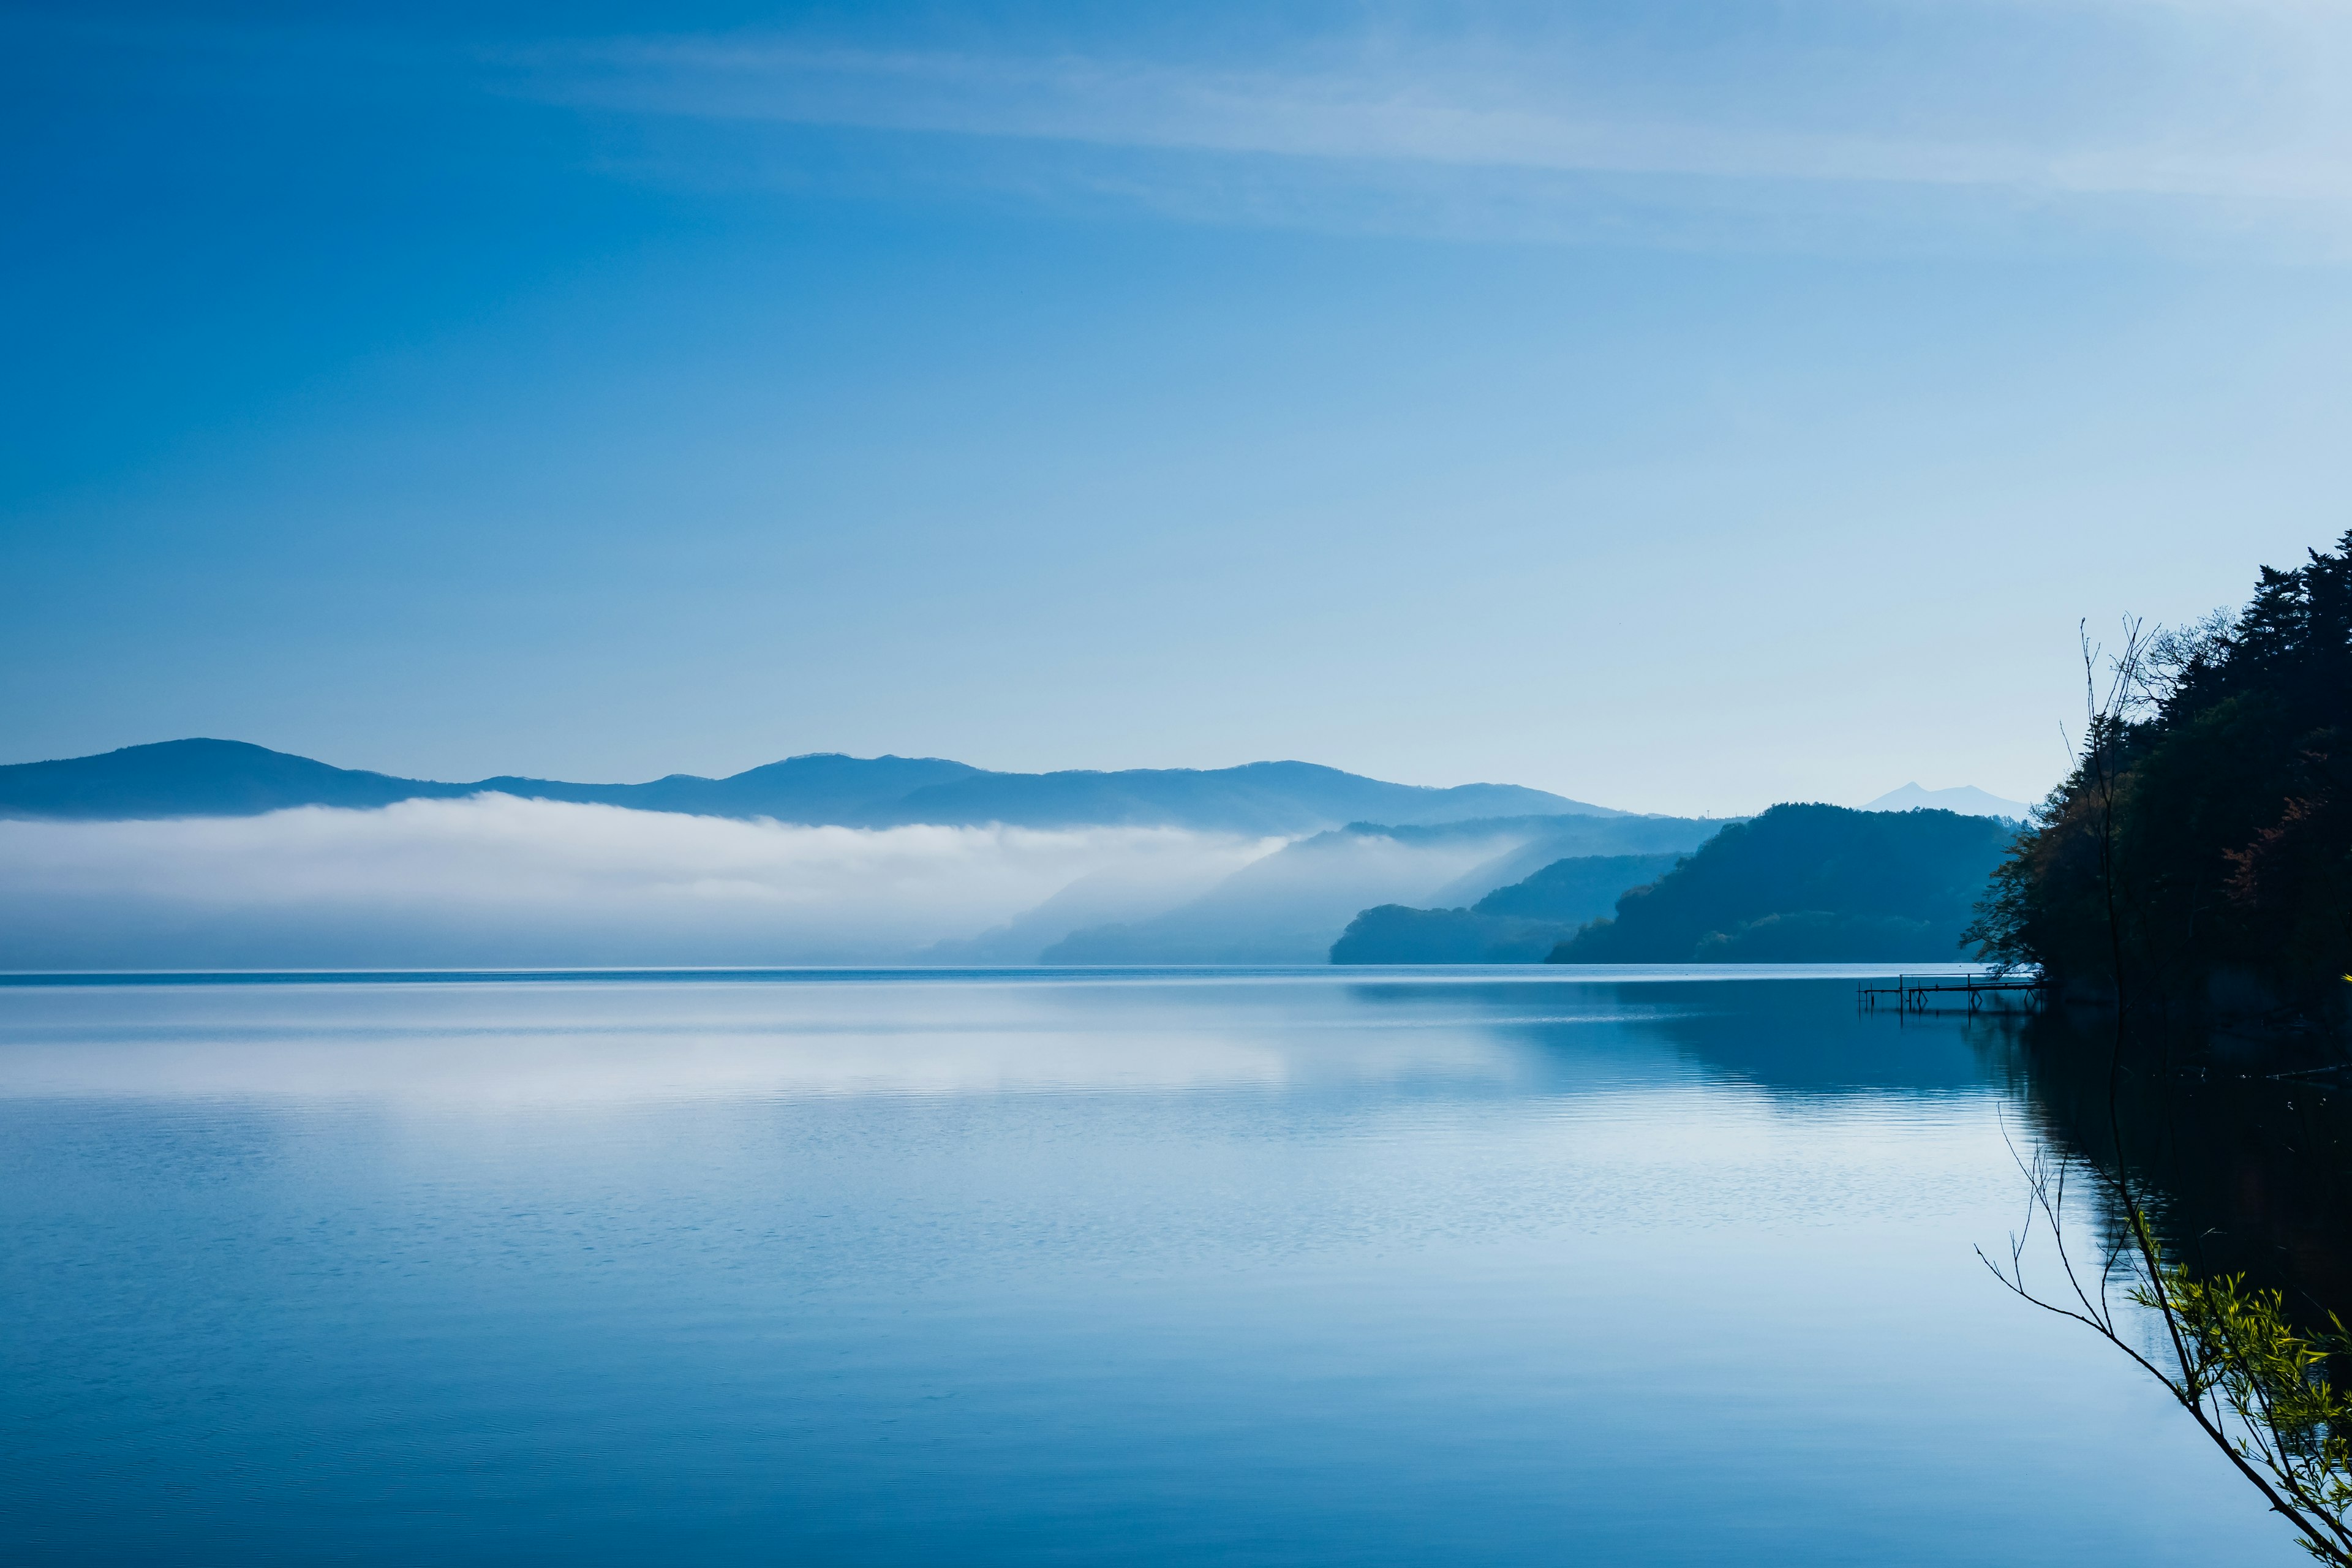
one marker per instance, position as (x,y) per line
(1966,799)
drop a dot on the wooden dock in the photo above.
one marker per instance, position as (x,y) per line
(1941,993)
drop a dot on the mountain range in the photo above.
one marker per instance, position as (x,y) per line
(231,778)
(1279,861)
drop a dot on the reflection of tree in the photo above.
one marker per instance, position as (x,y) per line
(2241,1173)
(2252,1371)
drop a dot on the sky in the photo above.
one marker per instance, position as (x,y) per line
(1682,407)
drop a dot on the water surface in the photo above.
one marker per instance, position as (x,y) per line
(1311,1266)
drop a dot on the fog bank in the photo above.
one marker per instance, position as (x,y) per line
(493,880)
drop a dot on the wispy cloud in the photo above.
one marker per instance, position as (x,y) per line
(2224,107)
(1404,121)
(493,880)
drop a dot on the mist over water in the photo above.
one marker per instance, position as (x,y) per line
(493,880)
(497,880)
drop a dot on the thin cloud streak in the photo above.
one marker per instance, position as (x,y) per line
(2227,142)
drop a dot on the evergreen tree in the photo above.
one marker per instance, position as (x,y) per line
(2224,767)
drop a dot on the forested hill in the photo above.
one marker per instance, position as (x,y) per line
(231,778)
(2225,769)
(1809,884)
(1516,924)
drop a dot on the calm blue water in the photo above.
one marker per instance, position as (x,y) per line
(1314,1267)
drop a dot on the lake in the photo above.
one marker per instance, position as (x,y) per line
(1312,1267)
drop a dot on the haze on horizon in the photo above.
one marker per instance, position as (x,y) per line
(1681,408)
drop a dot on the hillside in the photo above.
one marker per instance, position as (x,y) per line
(1291,906)
(1809,884)
(1520,923)
(196,778)
(230,778)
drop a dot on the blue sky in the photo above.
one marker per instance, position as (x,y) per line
(1683,407)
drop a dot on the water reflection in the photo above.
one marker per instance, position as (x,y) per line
(1258,1268)
(2245,1172)
(630,1037)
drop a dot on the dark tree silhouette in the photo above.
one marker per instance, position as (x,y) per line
(2255,1384)
(2210,806)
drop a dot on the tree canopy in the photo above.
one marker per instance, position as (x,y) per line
(2214,793)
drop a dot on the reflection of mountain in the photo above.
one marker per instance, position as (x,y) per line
(1516,924)
(1809,884)
(227,778)
(1291,906)
(1796,1037)
(1802,1035)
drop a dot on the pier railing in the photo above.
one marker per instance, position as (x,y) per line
(1939,992)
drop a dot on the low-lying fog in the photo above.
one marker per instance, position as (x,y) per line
(495,881)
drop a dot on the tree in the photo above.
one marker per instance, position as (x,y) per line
(2203,839)
(2256,1385)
